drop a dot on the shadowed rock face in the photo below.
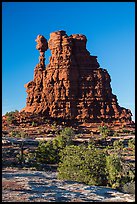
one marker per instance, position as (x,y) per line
(72,85)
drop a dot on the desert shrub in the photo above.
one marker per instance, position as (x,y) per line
(48,152)
(129,172)
(34,124)
(30,158)
(125,131)
(54,126)
(133,132)
(118,172)
(11,113)
(113,169)
(67,134)
(118,146)
(11,116)
(91,143)
(104,131)
(131,143)
(128,177)
(14,133)
(116,134)
(82,164)
(94,166)
(10,119)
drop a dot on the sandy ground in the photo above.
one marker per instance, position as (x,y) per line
(39,186)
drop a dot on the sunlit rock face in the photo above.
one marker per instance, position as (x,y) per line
(72,85)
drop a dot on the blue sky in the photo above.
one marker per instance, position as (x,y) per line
(108,26)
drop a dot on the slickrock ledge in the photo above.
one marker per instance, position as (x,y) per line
(40,186)
(72,85)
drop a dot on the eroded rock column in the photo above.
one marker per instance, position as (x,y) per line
(42,46)
(72,85)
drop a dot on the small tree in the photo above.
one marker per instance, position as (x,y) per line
(103,131)
(11,116)
(116,134)
(48,152)
(119,173)
(10,119)
(114,170)
(131,144)
(82,164)
(118,146)
(67,134)
(91,143)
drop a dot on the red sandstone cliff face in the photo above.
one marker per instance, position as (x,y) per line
(72,85)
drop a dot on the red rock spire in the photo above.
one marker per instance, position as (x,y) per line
(42,46)
(73,85)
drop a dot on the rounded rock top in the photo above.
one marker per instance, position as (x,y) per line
(58,33)
(79,37)
(42,44)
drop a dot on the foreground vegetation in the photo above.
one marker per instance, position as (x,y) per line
(92,163)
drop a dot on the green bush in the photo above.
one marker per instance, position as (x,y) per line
(126,131)
(11,116)
(91,143)
(94,166)
(11,113)
(131,143)
(82,164)
(118,145)
(10,119)
(118,172)
(133,132)
(54,126)
(48,152)
(104,131)
(14,133)
(113,169)
(67,135)
(34,124)
(116,134)
(20,134)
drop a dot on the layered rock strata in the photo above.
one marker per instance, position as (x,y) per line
(72,85)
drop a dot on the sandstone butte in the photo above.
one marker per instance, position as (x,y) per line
(72,86)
